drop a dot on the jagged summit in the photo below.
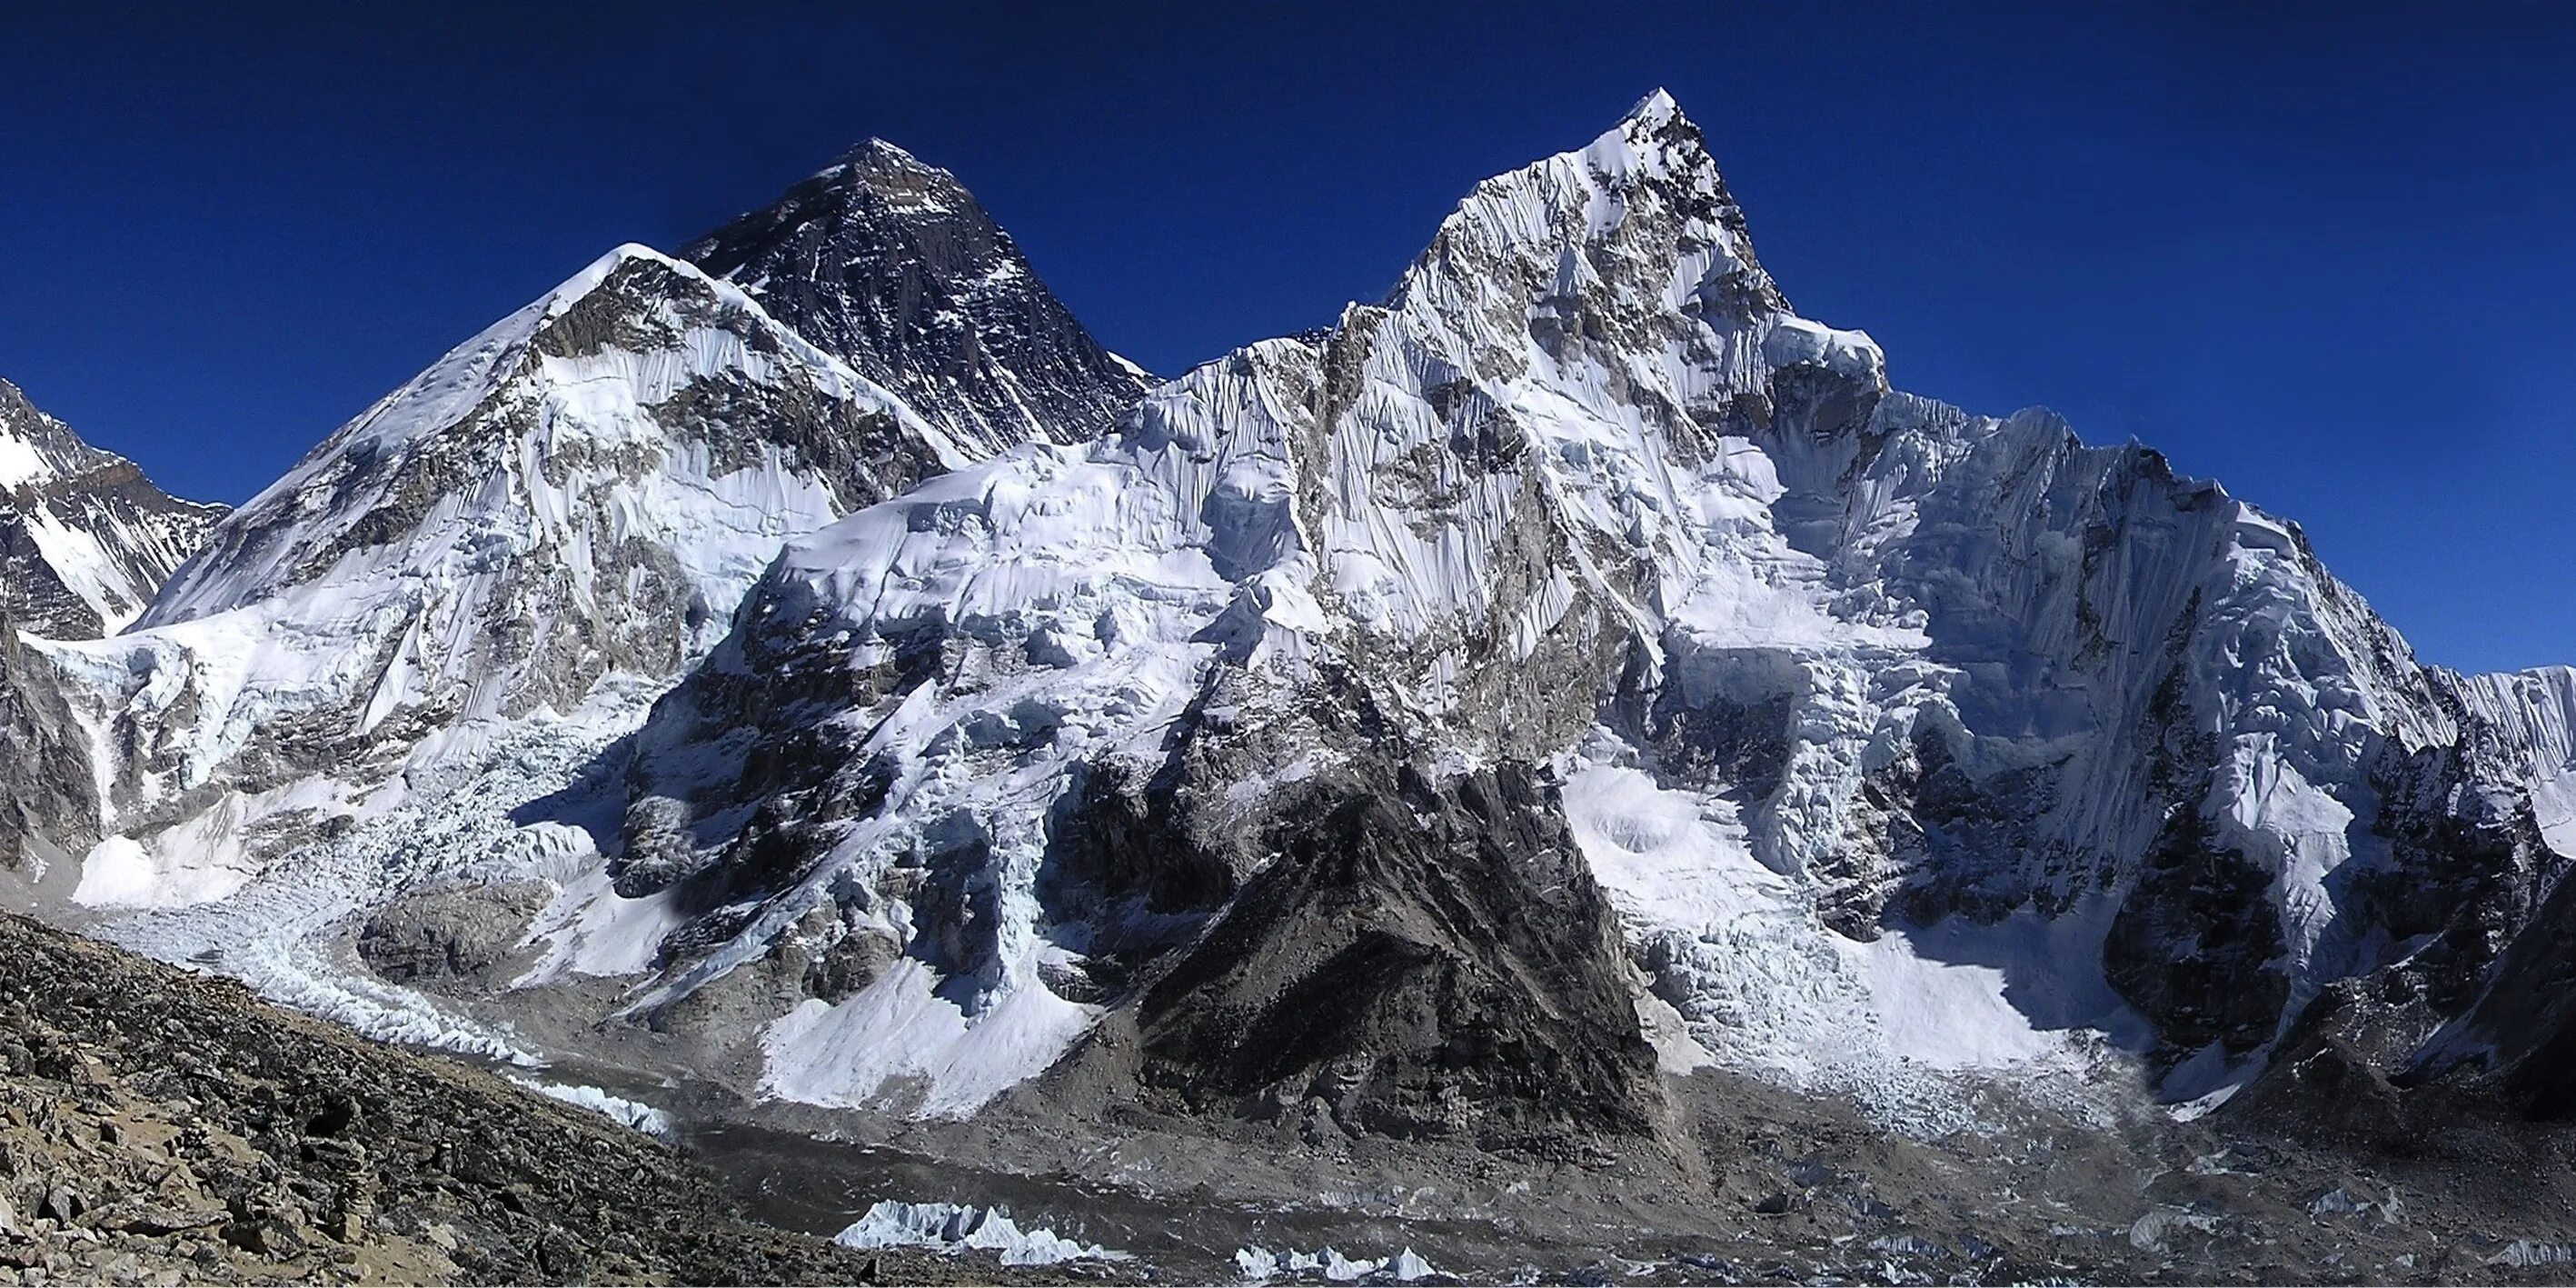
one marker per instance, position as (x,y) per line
(1642,200)
(39,448)
(893,266)
(85,538)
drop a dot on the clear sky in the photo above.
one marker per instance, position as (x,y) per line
(2322,254)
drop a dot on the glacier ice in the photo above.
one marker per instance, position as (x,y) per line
(617,1109)
(955,1228)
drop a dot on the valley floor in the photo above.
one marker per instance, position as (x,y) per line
(159,1126)
(1781,1188)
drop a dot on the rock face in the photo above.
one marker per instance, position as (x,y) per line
(890,265)
(48,799)
(449,933)
(1421,962)
(85,539)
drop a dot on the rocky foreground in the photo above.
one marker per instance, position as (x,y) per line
(158,1127)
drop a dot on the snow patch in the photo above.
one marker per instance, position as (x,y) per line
(901,1032)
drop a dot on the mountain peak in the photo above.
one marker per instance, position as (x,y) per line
(891,265)
(85,539)
(875,164)
(879,153)
(1647,184)
(1654,110)
(36,448)
(1655,139)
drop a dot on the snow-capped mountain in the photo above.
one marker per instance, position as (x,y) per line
(575,498)
(85,539)
(1577,667)
(1582,575)
(892,266)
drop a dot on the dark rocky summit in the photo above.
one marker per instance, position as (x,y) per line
(893,266)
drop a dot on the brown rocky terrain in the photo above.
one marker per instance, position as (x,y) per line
(160,1128)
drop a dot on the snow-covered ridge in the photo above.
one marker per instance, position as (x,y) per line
(591,404)
(581,492)
(85,539)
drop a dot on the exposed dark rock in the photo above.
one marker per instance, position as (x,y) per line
(452,932)
(2195,944)
(48,791)
(891,265)
(1433,961)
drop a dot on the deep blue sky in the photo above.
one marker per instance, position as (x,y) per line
(2324,255)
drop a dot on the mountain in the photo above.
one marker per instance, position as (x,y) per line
(1571,746)
(891,266)
(567,505)
(85,539)
(1581,574)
